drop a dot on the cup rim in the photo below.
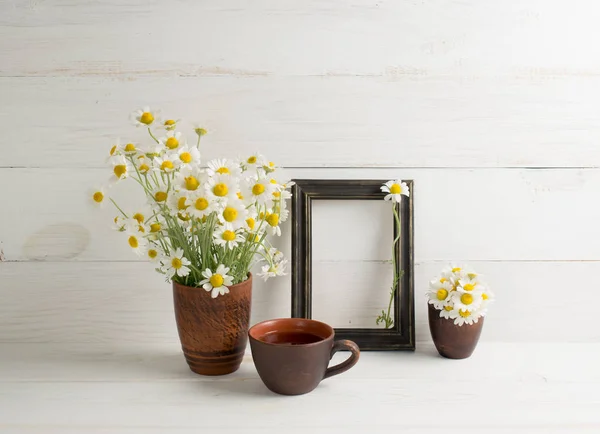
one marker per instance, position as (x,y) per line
(329,337)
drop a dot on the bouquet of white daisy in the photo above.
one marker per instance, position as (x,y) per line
(204,226)
(459,295)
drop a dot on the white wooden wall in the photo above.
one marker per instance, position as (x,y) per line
(490,107)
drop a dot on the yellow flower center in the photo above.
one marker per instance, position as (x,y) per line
(250,222)
(129,147)
(469,287)
(442,294)
(166,165)
(133,242)
(395,189)
(98,197)
(239,195)
(200,131)
(228,235)
(169,122)
(176,263)
(147,118)
(152,253)
(113,150)
(220,190)
(276,194)
(144,168)
(155,227)
(271,164)
(273,219)
(172,143)
(223,170)
(456,269)
(201,204)
(258,189)
(272,181)
(466,299)
(183,217)
(181,205)
(216,280)
(443,279)
(251,160)
(448,308)
(464,313)
(139,217)
(160,196)
(186,157)
(191,183)
(230,214)
(141,229)
(120,170)
(472,275)
(484,296)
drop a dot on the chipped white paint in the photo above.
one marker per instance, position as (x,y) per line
(490,107)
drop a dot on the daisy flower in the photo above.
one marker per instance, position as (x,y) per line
(130,149)
(118,224)
(227,238)
(446,311)
(160,194)
(176,264)
(223,167)
(233,215)
(152,254)
(178,203)
(137,243)
(467,300)
(273,222)
(143,164)
(187,157)
(467,284)
(253,163)
(145,117)
(200,204)
(222,186)
(98,197)
(259,191)
(276,254)
(273,270)
(217,283)
(170,124)
(134,227)
(164,164)
(172,140)
(395,190)
(439,293)
(189,179)
(461,317)
(121,168)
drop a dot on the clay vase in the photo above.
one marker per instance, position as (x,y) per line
(453,341)
(213,331)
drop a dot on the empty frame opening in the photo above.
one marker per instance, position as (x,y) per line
(351,261)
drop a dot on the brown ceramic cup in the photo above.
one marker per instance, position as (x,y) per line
(292,355)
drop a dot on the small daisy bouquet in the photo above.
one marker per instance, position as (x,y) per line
(202,225)
(394,190)
(460,295)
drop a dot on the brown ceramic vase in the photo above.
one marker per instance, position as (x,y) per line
(213,331)
(453,341)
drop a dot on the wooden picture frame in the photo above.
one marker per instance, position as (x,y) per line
(402,335)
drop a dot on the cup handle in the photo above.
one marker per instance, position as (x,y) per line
(346,364)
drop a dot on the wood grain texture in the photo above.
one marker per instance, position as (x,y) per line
(532,383)
(123,303)
(313,121)
(323,38)
(463,214)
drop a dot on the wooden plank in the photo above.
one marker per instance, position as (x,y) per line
(121,303)
(391,403)
(139,363)
(359,37)
(314,121)
(459,214)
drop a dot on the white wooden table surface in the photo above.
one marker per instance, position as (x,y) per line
(528,388)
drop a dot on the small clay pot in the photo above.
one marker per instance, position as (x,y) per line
(453,341)
(213,331)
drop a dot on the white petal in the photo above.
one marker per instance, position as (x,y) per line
(207,286)
(214,293)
